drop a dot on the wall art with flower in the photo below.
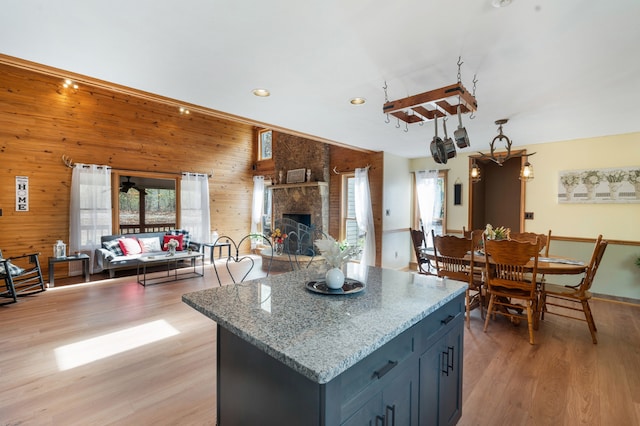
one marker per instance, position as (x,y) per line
(619,185)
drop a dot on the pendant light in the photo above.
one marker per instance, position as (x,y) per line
(474,172)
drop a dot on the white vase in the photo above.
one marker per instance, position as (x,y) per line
(335,278)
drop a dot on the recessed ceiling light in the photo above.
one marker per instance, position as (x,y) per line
(263,93)
(500,3)
(358,101)
(184,111)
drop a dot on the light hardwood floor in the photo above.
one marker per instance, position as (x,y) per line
(563,379)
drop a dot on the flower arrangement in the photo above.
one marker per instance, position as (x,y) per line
(500,233)
(336,253)
(570,180)
(171,245)
(591,177)
(615,176)
(278,236)
(633,176)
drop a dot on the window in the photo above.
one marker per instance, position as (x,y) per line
(349,231)
(146,204)
(265,151)
(439,222)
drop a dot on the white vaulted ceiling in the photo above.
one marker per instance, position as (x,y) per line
(558,70)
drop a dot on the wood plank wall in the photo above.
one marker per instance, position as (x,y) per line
(40,121)
(347,160)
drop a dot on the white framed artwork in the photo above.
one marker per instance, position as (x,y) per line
(614,185)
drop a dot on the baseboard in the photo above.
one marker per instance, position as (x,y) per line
(609,298)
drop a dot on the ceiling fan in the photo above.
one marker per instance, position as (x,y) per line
(126,186)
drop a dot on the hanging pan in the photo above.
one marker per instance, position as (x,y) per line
(437,147)
(460,135)
(449,147)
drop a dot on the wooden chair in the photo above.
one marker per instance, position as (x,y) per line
(450,252)
(475,235)
(245,262)
(530,237)
(510,276)
(22,276)
(418,240)
(575,298)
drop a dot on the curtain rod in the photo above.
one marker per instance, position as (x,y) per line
(69,163)
(368,166)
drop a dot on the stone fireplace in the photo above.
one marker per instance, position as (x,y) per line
(308,201)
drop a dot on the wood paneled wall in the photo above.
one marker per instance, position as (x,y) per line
(40,122)
(347,160)
(100,123)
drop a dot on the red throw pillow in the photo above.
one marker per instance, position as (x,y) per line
(130,246)
(179,238)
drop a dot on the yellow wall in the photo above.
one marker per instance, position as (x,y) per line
(618,275)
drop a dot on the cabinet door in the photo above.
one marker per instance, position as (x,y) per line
(370,414)
(441,378)
(450,403)
(400,398)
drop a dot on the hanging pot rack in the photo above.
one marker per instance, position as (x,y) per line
(427,106)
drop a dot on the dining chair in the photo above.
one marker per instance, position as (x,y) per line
(530,237)
(243,264)
(511,268)
(22,276)
(575,298)
(454,258)
(419,242)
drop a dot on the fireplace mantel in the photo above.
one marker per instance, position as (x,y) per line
(299,185)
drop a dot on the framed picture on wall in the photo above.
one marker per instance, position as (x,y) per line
(296,175)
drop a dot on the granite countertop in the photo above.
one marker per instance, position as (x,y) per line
(321,336)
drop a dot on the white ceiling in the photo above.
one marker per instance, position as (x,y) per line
(557,69)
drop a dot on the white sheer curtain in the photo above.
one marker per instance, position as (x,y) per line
(194,206)
(428,199)
(257,207)
(364,216)
(90,211)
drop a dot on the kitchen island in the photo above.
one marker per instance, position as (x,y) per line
(391,353)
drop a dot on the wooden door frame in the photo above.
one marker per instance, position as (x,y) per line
(523,187)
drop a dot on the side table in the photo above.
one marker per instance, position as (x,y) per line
(78,257)
(219,245)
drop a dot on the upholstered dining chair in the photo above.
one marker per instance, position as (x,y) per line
(419,242)
(567,298)
(240,266)
(454,258)
(22,276)
(511,268)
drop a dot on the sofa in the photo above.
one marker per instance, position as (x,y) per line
(120,252)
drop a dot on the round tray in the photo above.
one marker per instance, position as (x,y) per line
(350,286)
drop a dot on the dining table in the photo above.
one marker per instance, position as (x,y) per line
(547,265)
(550,265)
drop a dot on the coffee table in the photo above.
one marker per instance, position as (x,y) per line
(148,261)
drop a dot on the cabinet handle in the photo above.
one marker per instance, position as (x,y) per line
(447,320)
(382,419)
(447,360)
(444,363)
(384,370)
(391,408)
(452,358)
